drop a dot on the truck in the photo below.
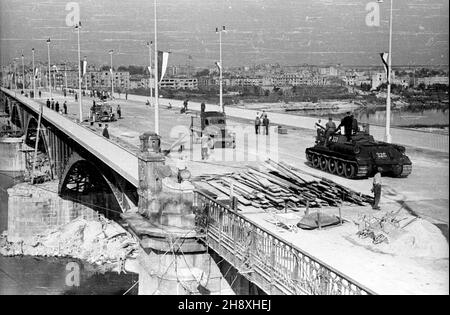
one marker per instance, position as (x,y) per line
(214,124)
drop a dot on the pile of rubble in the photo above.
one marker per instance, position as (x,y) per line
(97,242)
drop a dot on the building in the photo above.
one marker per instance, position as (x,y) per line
(179,83)
(433,80)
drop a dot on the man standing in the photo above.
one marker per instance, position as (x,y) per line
(266,123)
(57,107)
(65,108)
(376,189)
(257,123)
(40,94)
(205,146)
(105,132)
(330,129)
(119,112)
(347,123)
(53,104)
(48,103)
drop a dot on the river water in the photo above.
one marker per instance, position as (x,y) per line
(44,276)
(377,116)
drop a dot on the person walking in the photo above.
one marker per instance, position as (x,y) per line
(65,107)
(376,189)
(106,132)
(57,107)
(53,104)
(119,112)
(257,123)
(48,103)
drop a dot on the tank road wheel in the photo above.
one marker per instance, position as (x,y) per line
(349,170)
(316,161)
(309,157)
(324,164)
(332,166)
(340,168)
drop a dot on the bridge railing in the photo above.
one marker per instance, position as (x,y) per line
(273,264)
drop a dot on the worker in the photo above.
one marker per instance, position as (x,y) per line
(106,132)
(376,189)
(257,123)
(330,129)
(347,123)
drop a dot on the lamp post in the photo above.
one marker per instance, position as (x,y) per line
(388,136)
(49,70)
(149,45)
(15,75)
(78,27)
(220,68)
(156,72)
(23,72)
(111,52)
(33,75)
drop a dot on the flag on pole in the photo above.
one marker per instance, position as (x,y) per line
(385,59)
(36,73)
(83,64)
(163,61)
(219,66)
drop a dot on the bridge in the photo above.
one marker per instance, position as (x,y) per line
(95,170)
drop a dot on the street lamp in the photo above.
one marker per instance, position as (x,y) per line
(156,71)
(220,67)
(78,27)
(388,137)
(23,72)
(149,45)
(33,74)
(49,70)
(111,52)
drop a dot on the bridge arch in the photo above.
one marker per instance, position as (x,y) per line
(30,136)
(84,182)
(16,119)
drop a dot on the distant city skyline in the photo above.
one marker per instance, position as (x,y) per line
(288,32)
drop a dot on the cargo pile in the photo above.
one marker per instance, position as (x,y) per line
(279,186)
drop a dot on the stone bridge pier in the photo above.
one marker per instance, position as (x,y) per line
(175,261)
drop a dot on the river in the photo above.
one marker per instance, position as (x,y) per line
(48,276)
(376,116)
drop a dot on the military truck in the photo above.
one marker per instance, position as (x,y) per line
(104,112)
(214,124)
(358,158)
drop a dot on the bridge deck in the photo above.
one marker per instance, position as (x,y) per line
(119,159)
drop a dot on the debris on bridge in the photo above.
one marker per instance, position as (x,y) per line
(278,186)
(99,242)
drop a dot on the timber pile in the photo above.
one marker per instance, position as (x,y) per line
(277,186)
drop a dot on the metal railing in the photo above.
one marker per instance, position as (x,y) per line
(273,264)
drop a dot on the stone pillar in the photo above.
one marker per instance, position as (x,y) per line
(12,159)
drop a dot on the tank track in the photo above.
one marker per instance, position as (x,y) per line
(359,171)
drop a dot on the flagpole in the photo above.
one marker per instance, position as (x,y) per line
(65,75)
(112,74)
(150,69)
(389,76)
(49,70)
(79,73)
(23,72)
(156,74)
(34,75)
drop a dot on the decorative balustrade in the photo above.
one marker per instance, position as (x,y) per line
(273,264)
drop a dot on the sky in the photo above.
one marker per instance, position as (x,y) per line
(289,32)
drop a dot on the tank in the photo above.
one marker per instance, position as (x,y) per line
(358,158)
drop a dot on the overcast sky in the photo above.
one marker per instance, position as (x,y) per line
(260,31)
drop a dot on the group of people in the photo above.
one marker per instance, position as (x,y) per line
(56,107)
(349,123)
(262,120)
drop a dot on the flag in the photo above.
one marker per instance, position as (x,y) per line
(219,66)
(385,59)
(36,73)
(163,61)
(83,65)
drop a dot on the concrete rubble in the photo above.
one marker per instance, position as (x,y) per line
(98,242)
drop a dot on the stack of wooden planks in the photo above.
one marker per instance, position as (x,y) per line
(277,185)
